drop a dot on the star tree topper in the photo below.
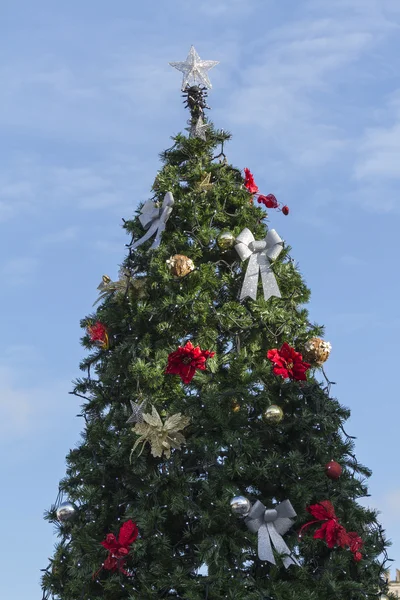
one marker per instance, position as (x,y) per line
(194,69)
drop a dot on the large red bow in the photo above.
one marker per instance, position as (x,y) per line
(118,549)
(331,530)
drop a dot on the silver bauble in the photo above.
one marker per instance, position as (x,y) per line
(66,511)
(240,506)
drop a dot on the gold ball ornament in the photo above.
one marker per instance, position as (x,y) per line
(225,240)
(180,265)
(235,406)
(273,414)
(316,351)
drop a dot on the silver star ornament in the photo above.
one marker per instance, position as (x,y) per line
(199,129)
(194,69)
(137,413)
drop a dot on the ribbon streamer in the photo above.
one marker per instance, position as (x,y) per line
(155,219)
(260,254)
(271,524)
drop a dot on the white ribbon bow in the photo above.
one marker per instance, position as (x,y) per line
(270,525)
(260,254)
(155,219)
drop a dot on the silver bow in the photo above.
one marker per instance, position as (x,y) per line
(155,219)
(271,524)
(260,254)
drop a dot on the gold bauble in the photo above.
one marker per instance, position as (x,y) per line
(273,414)
(225,240)
(235,406)
(316,351)
(180,265)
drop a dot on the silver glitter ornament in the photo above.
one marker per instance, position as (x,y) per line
(137,413)
(199,129)
(240,505)
(66,511)
(194,69)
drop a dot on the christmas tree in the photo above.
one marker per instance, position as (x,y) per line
(214,462)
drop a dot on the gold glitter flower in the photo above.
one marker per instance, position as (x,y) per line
(161,436)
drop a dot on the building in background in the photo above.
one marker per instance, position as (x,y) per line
(394,586)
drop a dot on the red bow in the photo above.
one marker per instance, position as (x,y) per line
(118,549)
(331,530)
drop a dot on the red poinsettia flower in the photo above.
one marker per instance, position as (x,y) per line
(249,182)
(186,360)
(355,545)
(331,530)
(118,549)
(269,201)
(288,363)
(98,334)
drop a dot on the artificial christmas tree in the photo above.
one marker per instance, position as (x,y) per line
(201,473)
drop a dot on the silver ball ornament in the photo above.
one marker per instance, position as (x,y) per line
(225,240)
(240,506)
(66,511)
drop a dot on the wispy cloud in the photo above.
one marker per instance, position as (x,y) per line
(19,271)
(352,261)
(68,234)
(290,89)
(379,150)
(30,184)
(27,409)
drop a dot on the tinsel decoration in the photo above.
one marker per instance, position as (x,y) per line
(161,436)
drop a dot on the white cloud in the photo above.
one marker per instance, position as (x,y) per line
(15,406)
(352,261)
(29,184)
(28,409)
(379,150)
(289,90)
(229,9)
(20,270)
(68,234)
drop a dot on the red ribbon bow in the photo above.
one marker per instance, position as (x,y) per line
(331,530)
(118,549)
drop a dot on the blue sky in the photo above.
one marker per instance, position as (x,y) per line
(311,92)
